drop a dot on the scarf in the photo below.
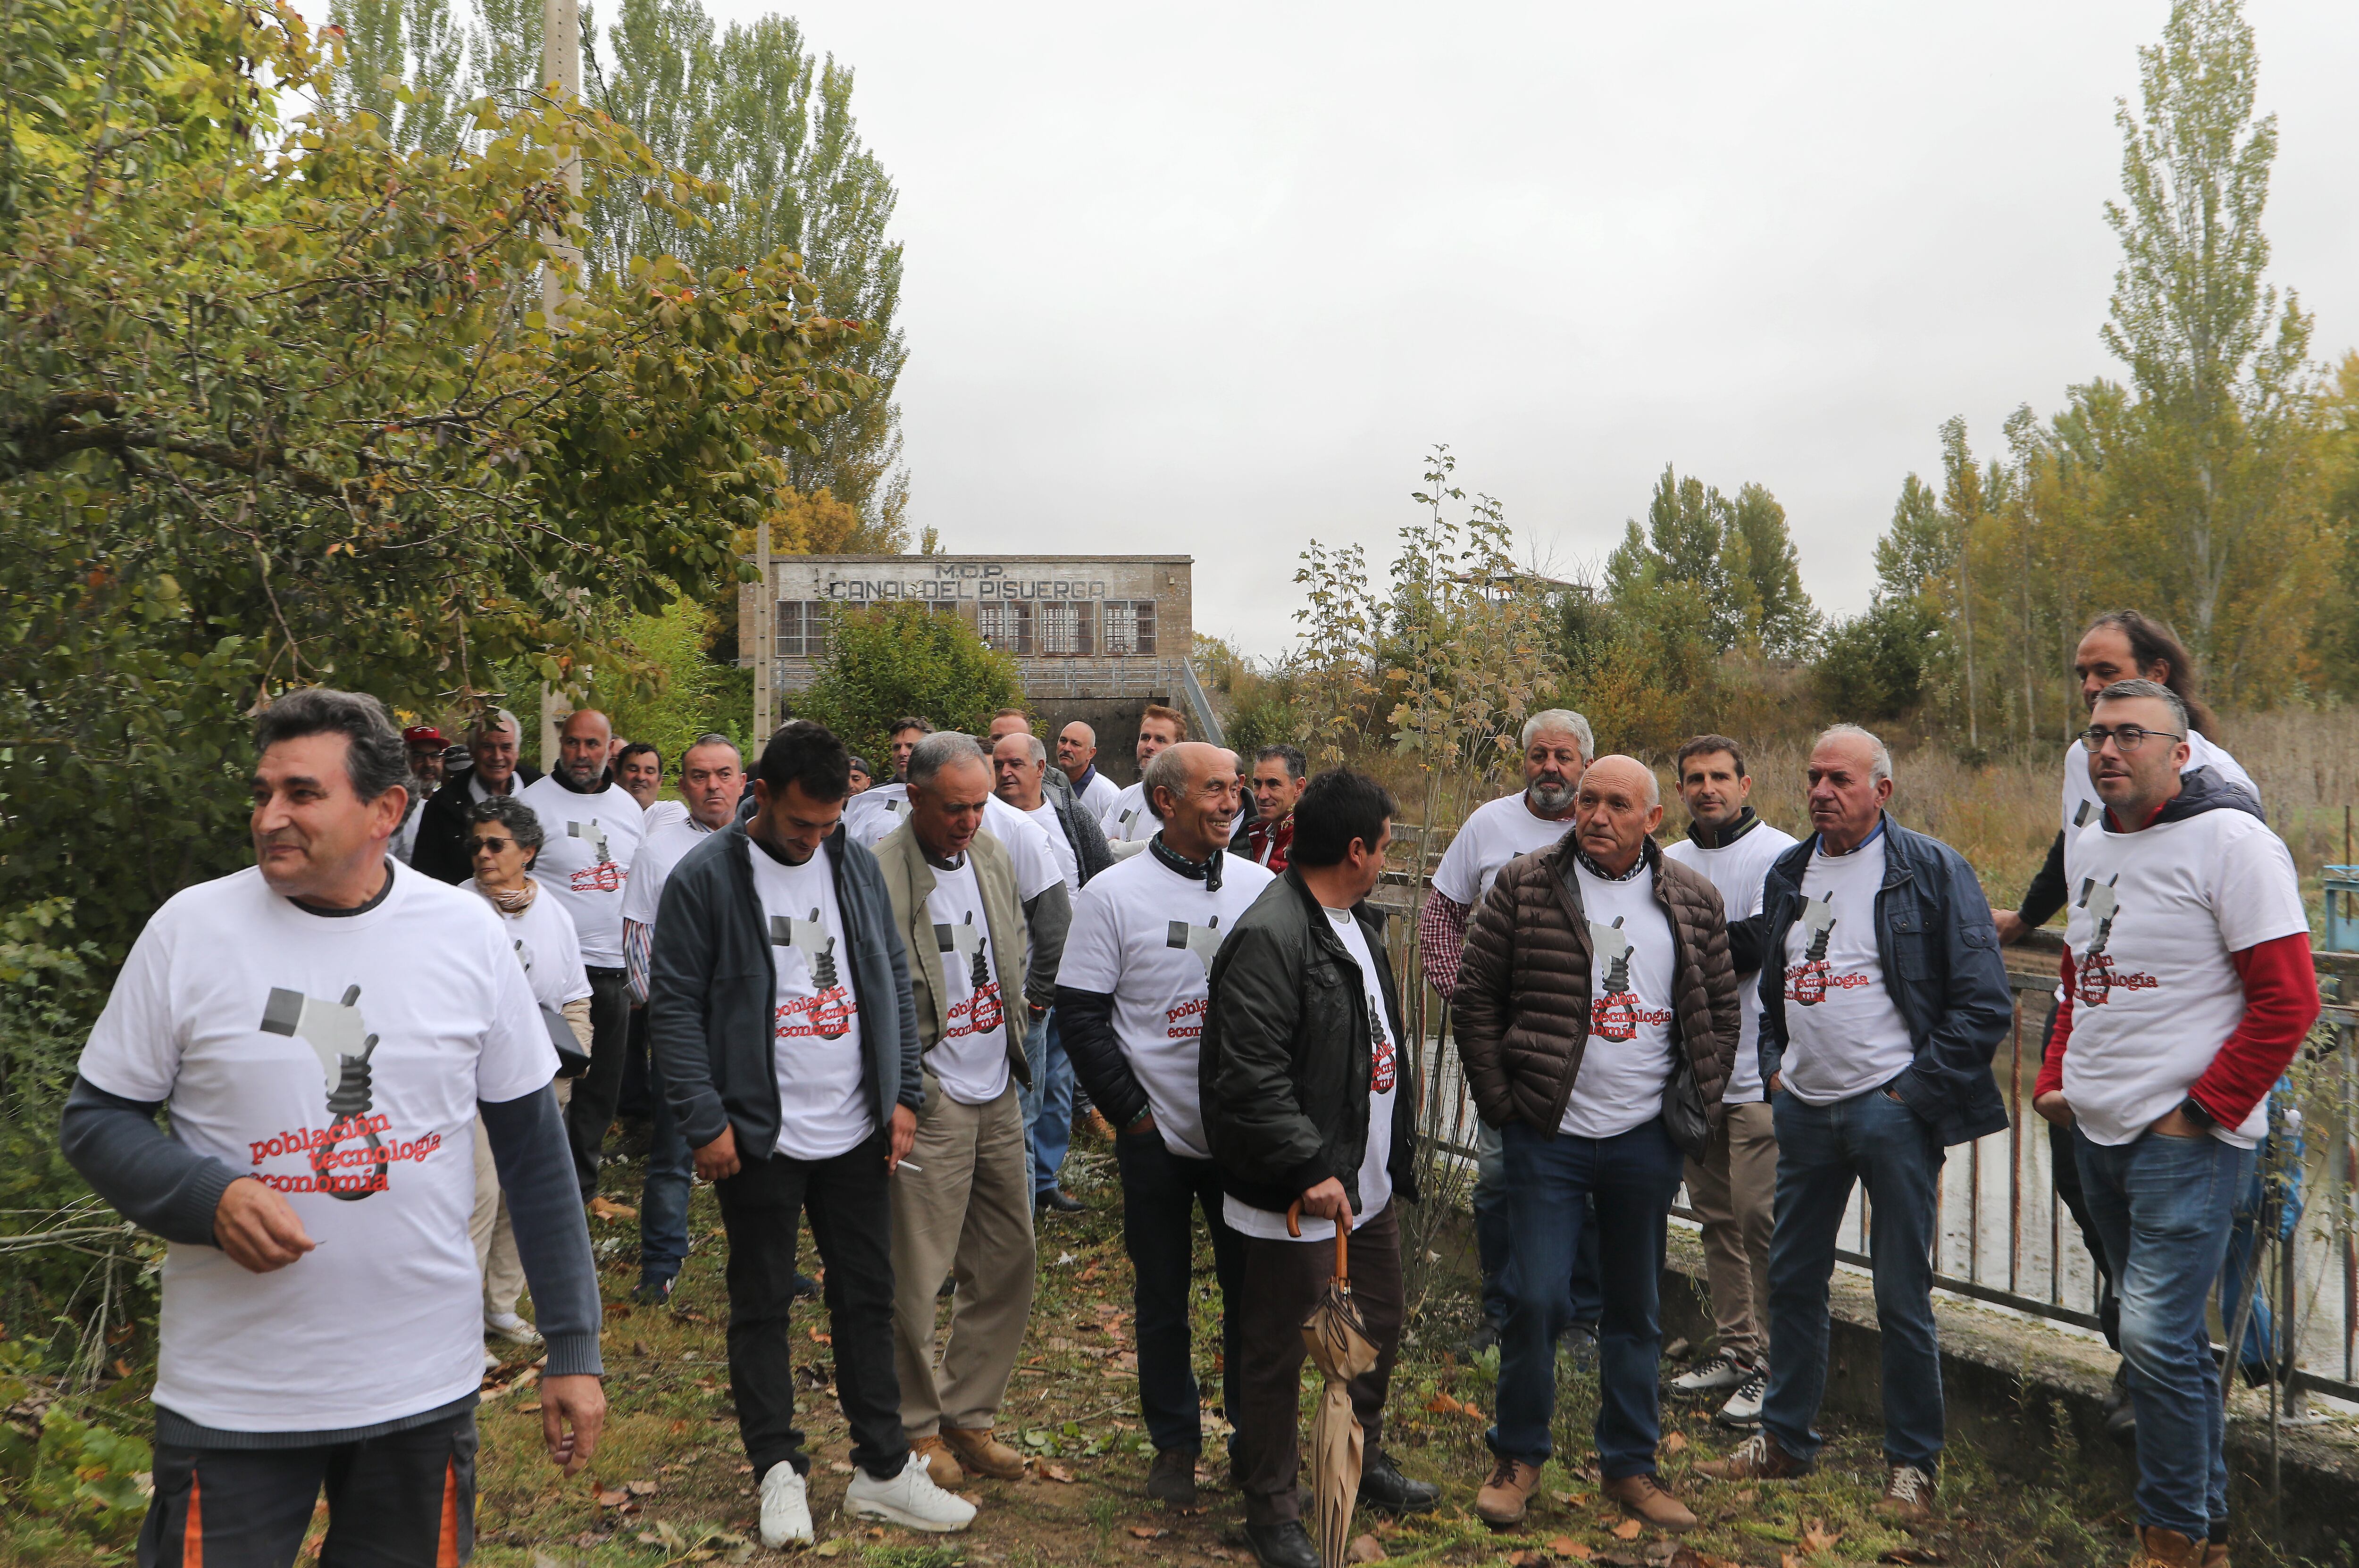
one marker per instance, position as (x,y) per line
(510,900)
(1207,871)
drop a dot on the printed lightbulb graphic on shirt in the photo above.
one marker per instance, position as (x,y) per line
(1203,941)
(604,877)
(1809,976)
(1382,1063)
(2093,976)
(339,1036)
(1614,1014)
(831,1010)
(966,941)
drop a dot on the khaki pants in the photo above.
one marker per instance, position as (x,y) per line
(966,1211)
(1733,1189)
(488,1226)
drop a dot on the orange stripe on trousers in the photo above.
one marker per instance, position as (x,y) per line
(447,1553)
(192,1528)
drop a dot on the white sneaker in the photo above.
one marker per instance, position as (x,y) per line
(785,1509)
(909,1499)
(1744,1406)
(509,1326)
(1720,1372)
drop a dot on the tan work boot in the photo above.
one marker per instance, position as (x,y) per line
(2167,1549)
(1500,1504)
(1908,1494)
(984,1453)
(1757,1458)
(2215,1554)
(1643,1497)
(942,1465)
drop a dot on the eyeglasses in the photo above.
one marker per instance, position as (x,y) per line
(2128,736)
(496,846)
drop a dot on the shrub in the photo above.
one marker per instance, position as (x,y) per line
(897,659)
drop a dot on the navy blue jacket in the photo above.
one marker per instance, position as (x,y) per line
(1941,963)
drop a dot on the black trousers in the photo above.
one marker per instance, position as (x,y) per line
(1160,1193)
(850,1201)
(405,1500)
(592,1110)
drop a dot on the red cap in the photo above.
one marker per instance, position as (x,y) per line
(418,732)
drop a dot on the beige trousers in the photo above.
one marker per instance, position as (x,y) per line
(488,1226)
(966,1212)
(1733,1189)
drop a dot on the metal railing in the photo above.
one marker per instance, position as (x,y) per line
(2006,1239)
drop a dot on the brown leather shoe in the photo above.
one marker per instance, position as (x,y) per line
(2167,1549)
(1908,1494)
(1501,1502)
(984,1453)
(1643,1497)
(1757,1458)
(941,1462)
(2215,1554)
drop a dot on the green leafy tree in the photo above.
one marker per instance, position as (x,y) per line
(403,61)
(1690,539)
(1786,622)
(896,659)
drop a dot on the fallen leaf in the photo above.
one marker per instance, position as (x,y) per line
(1570,1499)
(1148,1532)
(1055,1473)
(1914,1554)
(818,1338)
(1817,1538)
(841,1467)
(641,1489)
(1627,1530)
(613,1497)
(1675,1442)
(1528,1559)
(1565,1546)
(1441,1404)
(1364,1549)
(828,1548)
(532,1409)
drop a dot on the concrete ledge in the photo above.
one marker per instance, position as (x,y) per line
(2029,1398)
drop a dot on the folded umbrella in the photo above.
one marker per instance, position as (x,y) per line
(1338,1339)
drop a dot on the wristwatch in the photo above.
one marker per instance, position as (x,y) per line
(2192,1109)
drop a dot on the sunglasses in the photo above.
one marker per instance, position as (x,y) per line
(496,846)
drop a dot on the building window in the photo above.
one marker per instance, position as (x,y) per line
(799,629)
(1060,628)
(1008,627)
(1129,626)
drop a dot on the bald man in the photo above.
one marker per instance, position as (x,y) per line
(1077,757)
(1625,1019)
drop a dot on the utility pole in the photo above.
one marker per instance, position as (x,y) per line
(561,73)
(765,641)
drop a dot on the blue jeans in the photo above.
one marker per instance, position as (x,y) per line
(2162,1207)
(1494,1239)
(663,1196)
(1550,1180)
(1049,1103)
(1876,1142)
(2254,1210)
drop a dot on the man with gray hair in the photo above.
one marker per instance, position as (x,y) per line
(1883,999)
(1557,748)
(441,848)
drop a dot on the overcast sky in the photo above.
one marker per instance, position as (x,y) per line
(1213,279)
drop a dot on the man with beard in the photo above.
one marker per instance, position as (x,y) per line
(1557,748)
(593,829)
(424,744)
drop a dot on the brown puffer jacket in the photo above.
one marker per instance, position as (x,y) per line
(1522,1005)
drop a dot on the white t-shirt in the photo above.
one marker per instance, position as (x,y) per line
(545,945)
(1844,1034)
(872,814)
(589,843)
(815,1047)
(1627,1061)
(1059,846)
(970,1057)
(1144,935)
(1384,1088)
(247,1014)
(665,846)
(2152,920)
(1497,832)
(404,846)
(1099,798)
(1127,821)
(2079,791)
(1738,870)
(661,813)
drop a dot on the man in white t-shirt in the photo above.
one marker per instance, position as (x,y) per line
(901,737)
(1597,1020)
(1130,1003)
(1127,823)
(1557,745)
(1883,999)
(2188,988)
(1731,1187)
(1077,756)
(711,780)
(592,827)
(1309,1094)
(324,1027)
(964,1208)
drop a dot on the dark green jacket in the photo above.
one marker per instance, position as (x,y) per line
(1284,1069)
(712,992)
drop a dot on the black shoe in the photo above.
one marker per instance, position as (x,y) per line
(1579,1342)
(2120,1418)
(654,1290)
(1172,1477)
(805,1287)
(1386,1489)
(1283,1545)
(949,1285)
(1056,1200)
(1481,1339)
(2118,1393)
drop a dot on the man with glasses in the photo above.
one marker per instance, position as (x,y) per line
(2188,988)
